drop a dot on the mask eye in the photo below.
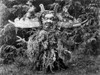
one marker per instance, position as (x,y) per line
(46,18)
(52,18)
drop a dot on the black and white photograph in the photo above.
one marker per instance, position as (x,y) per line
(49,37)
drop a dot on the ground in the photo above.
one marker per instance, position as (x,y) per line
(86,68)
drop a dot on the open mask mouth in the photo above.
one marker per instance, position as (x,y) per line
(48,25)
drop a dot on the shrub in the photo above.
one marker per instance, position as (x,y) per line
(55,48)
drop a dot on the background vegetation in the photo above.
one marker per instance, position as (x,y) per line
(83,42)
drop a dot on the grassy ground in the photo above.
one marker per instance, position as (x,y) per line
(83,67)
(86,66)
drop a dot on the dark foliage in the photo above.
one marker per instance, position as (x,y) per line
(57,47)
